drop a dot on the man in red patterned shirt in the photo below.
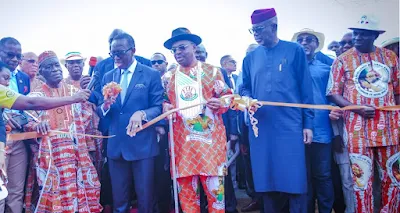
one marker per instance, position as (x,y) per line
(369,76)
(199,132)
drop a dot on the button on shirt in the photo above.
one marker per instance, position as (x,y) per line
(322,124)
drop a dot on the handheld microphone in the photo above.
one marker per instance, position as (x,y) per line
(93,81)
(92,64)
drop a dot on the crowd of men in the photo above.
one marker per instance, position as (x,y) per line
(93,154)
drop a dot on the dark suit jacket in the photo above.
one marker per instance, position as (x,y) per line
(230,117)
(23,82)
(145,92)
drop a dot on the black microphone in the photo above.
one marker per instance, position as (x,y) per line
(93,81)
(92,64)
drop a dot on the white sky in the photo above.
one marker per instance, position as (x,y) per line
(78,25)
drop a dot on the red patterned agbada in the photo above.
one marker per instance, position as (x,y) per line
(62,177)
(371,79)
(199,134)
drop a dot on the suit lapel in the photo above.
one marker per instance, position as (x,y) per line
(20,83)
(137,75)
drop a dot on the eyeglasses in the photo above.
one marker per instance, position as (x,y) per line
(232,61)
(308,40)
(257,30)
(119,53)
(13,55)
(180,48)
(74,62)
(31,61)
(349,42)
(157,62)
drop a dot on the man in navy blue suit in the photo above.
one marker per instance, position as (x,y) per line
(17,159)
(139,101)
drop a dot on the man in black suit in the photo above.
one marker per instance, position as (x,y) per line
(100,70)
(229,64)
(17,158)
(139,101)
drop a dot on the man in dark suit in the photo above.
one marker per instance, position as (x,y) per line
(230,123)
(139,101)
(101,69)
(17,158)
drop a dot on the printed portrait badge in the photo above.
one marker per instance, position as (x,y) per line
(361,167)
(371,79)
(393,168)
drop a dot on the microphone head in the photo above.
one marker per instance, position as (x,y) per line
(92,61)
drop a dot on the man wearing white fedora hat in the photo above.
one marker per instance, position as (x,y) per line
(368,76)
(319,151)
(392,44)
(74,62)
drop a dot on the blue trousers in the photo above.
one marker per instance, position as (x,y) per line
(319,177)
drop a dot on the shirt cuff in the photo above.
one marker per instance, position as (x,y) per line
(102,109)
(144,116)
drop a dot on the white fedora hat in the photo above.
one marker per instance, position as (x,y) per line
(320,37)
(368,22)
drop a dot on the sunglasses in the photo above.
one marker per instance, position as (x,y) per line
(180,48)
(349,42)
(71,62)
(308,40)
(257,30)
(157,62)
(31,61)
(119,53)
(13,55)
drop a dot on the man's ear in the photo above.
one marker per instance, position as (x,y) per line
(133,50)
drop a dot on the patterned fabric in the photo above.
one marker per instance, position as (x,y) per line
(200,140)
(189,193)
(36,83)
(62,171)
(362,163)
(95,145)
(368,79)
(7,97)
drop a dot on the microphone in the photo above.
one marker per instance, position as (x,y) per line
(93,81)
(92,64)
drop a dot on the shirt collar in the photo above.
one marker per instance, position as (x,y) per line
(131,68)
(14,73)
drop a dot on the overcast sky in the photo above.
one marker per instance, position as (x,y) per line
(77,25)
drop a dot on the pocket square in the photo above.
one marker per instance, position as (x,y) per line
(140,86)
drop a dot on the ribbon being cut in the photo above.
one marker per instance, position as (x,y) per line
(238,102)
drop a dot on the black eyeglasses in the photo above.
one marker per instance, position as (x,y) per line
(257,30)
(31,61)
(71,62)
(157,62)
(308,40)
(119,53)
(13,55)
(180,47)
(349,42)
